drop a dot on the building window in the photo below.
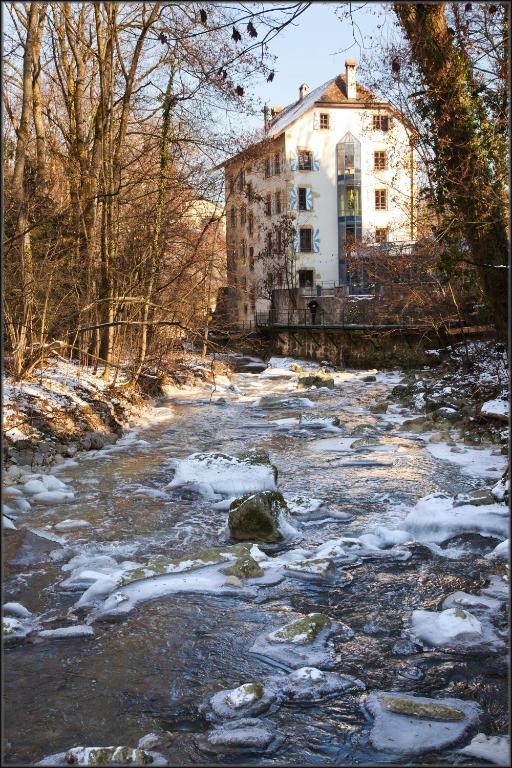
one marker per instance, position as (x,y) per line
(243,250)
(381,235)
(381,199)
(305,278)
(279,241)
(246,309)
(233,216)
(251,258)
(243,214)
(306,239)
(268,204)
(278,201)
(231,183)
(305,157)
(303,206)
(381,123)
(279,277)
(267,167)
(269,243)
(250,192)
(251,223)
(324,120)
(277,164)
(241,181)
(380,161)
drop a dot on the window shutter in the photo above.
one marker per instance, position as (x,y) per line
(316,121)
(293,161)
(296,240)
(309,199)
(316,241)
(316,162)
(293,198)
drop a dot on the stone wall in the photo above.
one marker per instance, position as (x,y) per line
(356,348)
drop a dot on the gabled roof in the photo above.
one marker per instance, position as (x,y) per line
(334,91)
(331,93)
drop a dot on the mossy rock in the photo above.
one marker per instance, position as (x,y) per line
(244,568)
(379,407)
(363,429)
(316,380)
(250,691)
(432,711)
(419,424)
(369,379)
(159,565)
(303,631)
(258,456)
(363,442)
(107,756)
(255,517)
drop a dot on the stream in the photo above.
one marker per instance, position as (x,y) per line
(150,669)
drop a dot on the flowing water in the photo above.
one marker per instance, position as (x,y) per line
(152,669)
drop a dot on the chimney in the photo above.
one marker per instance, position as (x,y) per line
(303,91)
(276,110)
(266,112)
(350,77)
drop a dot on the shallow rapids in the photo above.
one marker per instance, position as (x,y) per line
(152,669)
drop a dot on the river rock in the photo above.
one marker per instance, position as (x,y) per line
(218,473)
(104,756)
(364,442)
(416,425)
(316,379)
(493,749)
(256,517)
(310,684)
(416,724)
(248,700)
(368,379)
(303,642)
(244,567)
(379,407)
(448,627)
(246,733)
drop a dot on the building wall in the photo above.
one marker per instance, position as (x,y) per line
(323,218)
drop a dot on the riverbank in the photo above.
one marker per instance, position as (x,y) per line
(65,408)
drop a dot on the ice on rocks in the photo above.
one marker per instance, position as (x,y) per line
(63,633)
(53,497)
(493,749)
(247,733)
(436,519)
(453,627)
(502,550)
(310,684)
(248,700)
(304,642)
(104,756)
(16,609)
(474,602)
(217,473)
(476,462)
(414,725)
(70,525)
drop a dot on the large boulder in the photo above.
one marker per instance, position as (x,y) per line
(256,517)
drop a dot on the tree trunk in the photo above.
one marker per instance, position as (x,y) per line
(458,119)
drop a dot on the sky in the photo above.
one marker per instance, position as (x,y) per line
(314,51)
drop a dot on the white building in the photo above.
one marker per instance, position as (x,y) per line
(335,167)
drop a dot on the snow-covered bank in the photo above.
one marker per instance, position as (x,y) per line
(66,408)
